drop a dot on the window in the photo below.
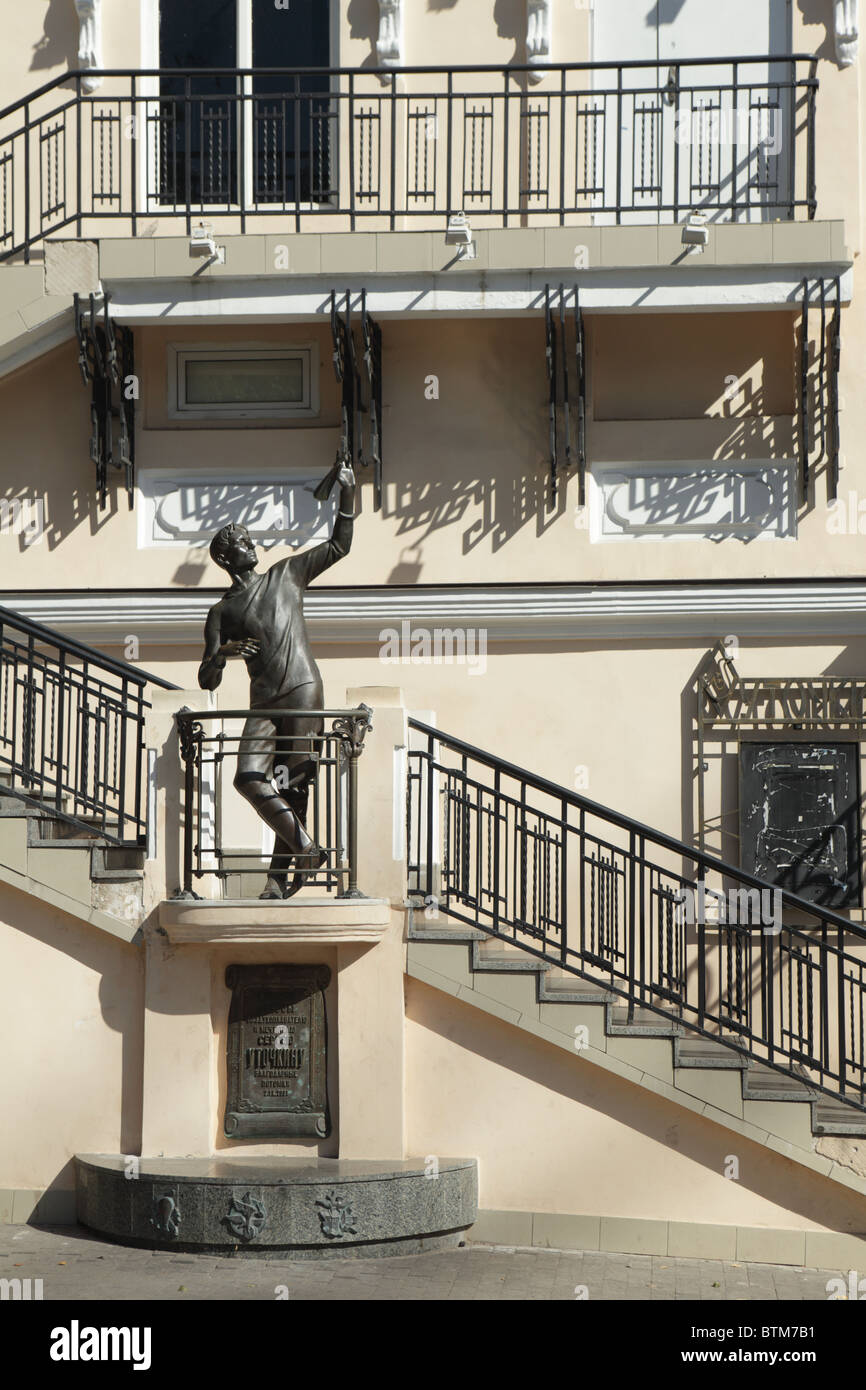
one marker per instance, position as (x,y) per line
(244,381)
(285,122)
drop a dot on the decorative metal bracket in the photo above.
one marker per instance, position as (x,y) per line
(360,396)
(537,34)
(353,729)
(372,358)
(823,400)
(89,14)
(559,390)
(106,360)
(846,31)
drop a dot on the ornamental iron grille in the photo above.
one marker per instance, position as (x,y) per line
(357,358)
(781,748)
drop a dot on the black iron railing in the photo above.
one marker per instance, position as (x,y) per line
(72,730)
(216,822)
(514,146)
(663,926)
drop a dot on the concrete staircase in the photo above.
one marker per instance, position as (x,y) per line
(590,1022)
(83,874)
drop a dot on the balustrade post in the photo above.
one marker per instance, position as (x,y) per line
(353,729)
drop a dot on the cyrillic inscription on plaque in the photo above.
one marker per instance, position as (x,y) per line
(277,1052)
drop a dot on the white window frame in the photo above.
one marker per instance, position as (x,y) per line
(181,353)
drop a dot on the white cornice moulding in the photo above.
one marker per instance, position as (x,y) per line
(424,295)
(537,34)
(89,39)
(389,41)
(542,613)
(846,26)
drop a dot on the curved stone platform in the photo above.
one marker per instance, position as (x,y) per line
(271,1206)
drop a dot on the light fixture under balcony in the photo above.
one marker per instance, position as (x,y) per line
(696,233)
(202,243)
(459,233)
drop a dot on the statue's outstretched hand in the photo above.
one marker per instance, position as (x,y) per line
(245,646)
(346,476)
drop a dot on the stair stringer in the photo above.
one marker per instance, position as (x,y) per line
(454,960)
(69,875)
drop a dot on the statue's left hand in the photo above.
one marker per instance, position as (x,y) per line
(346,476)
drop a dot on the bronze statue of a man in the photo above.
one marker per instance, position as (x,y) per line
(261,618)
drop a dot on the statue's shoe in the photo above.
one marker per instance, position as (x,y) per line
(296,883)
(312,859)
(274,888)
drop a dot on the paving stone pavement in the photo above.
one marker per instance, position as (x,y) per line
(76,1265)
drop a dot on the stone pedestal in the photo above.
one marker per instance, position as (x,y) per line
(230,1158)
(282,1207)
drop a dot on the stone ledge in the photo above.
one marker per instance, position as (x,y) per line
(189,922)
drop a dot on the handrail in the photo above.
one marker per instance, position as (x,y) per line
(394,73)
(646,832)
(8,617)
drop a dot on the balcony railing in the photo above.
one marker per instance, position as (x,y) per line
(217,823)
(340,148)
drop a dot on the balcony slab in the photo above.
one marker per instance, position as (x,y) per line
(188,922)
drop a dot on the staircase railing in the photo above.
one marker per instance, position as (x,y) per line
(659,924)
(72,730)
(559,143)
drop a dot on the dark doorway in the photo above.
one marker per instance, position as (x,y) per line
(294,134)
(285,121)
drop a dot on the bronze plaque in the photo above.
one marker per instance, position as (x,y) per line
(277,1052)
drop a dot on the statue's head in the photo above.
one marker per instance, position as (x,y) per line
(233,548)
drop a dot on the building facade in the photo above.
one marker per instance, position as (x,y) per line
(575,287)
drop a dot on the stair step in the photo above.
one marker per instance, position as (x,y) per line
(499,959)
(89,829)
(431,931)
(642,1024)
(765,1083)
(571,989)
(705,1052)
(832,1117)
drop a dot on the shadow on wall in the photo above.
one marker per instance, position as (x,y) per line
(510,17)
(494,477)
(58,47)
(363,21)
(696,1139)
(119,967)
(819,12)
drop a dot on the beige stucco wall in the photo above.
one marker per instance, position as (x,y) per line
(71,1001)
(466,474)
(554,1134)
